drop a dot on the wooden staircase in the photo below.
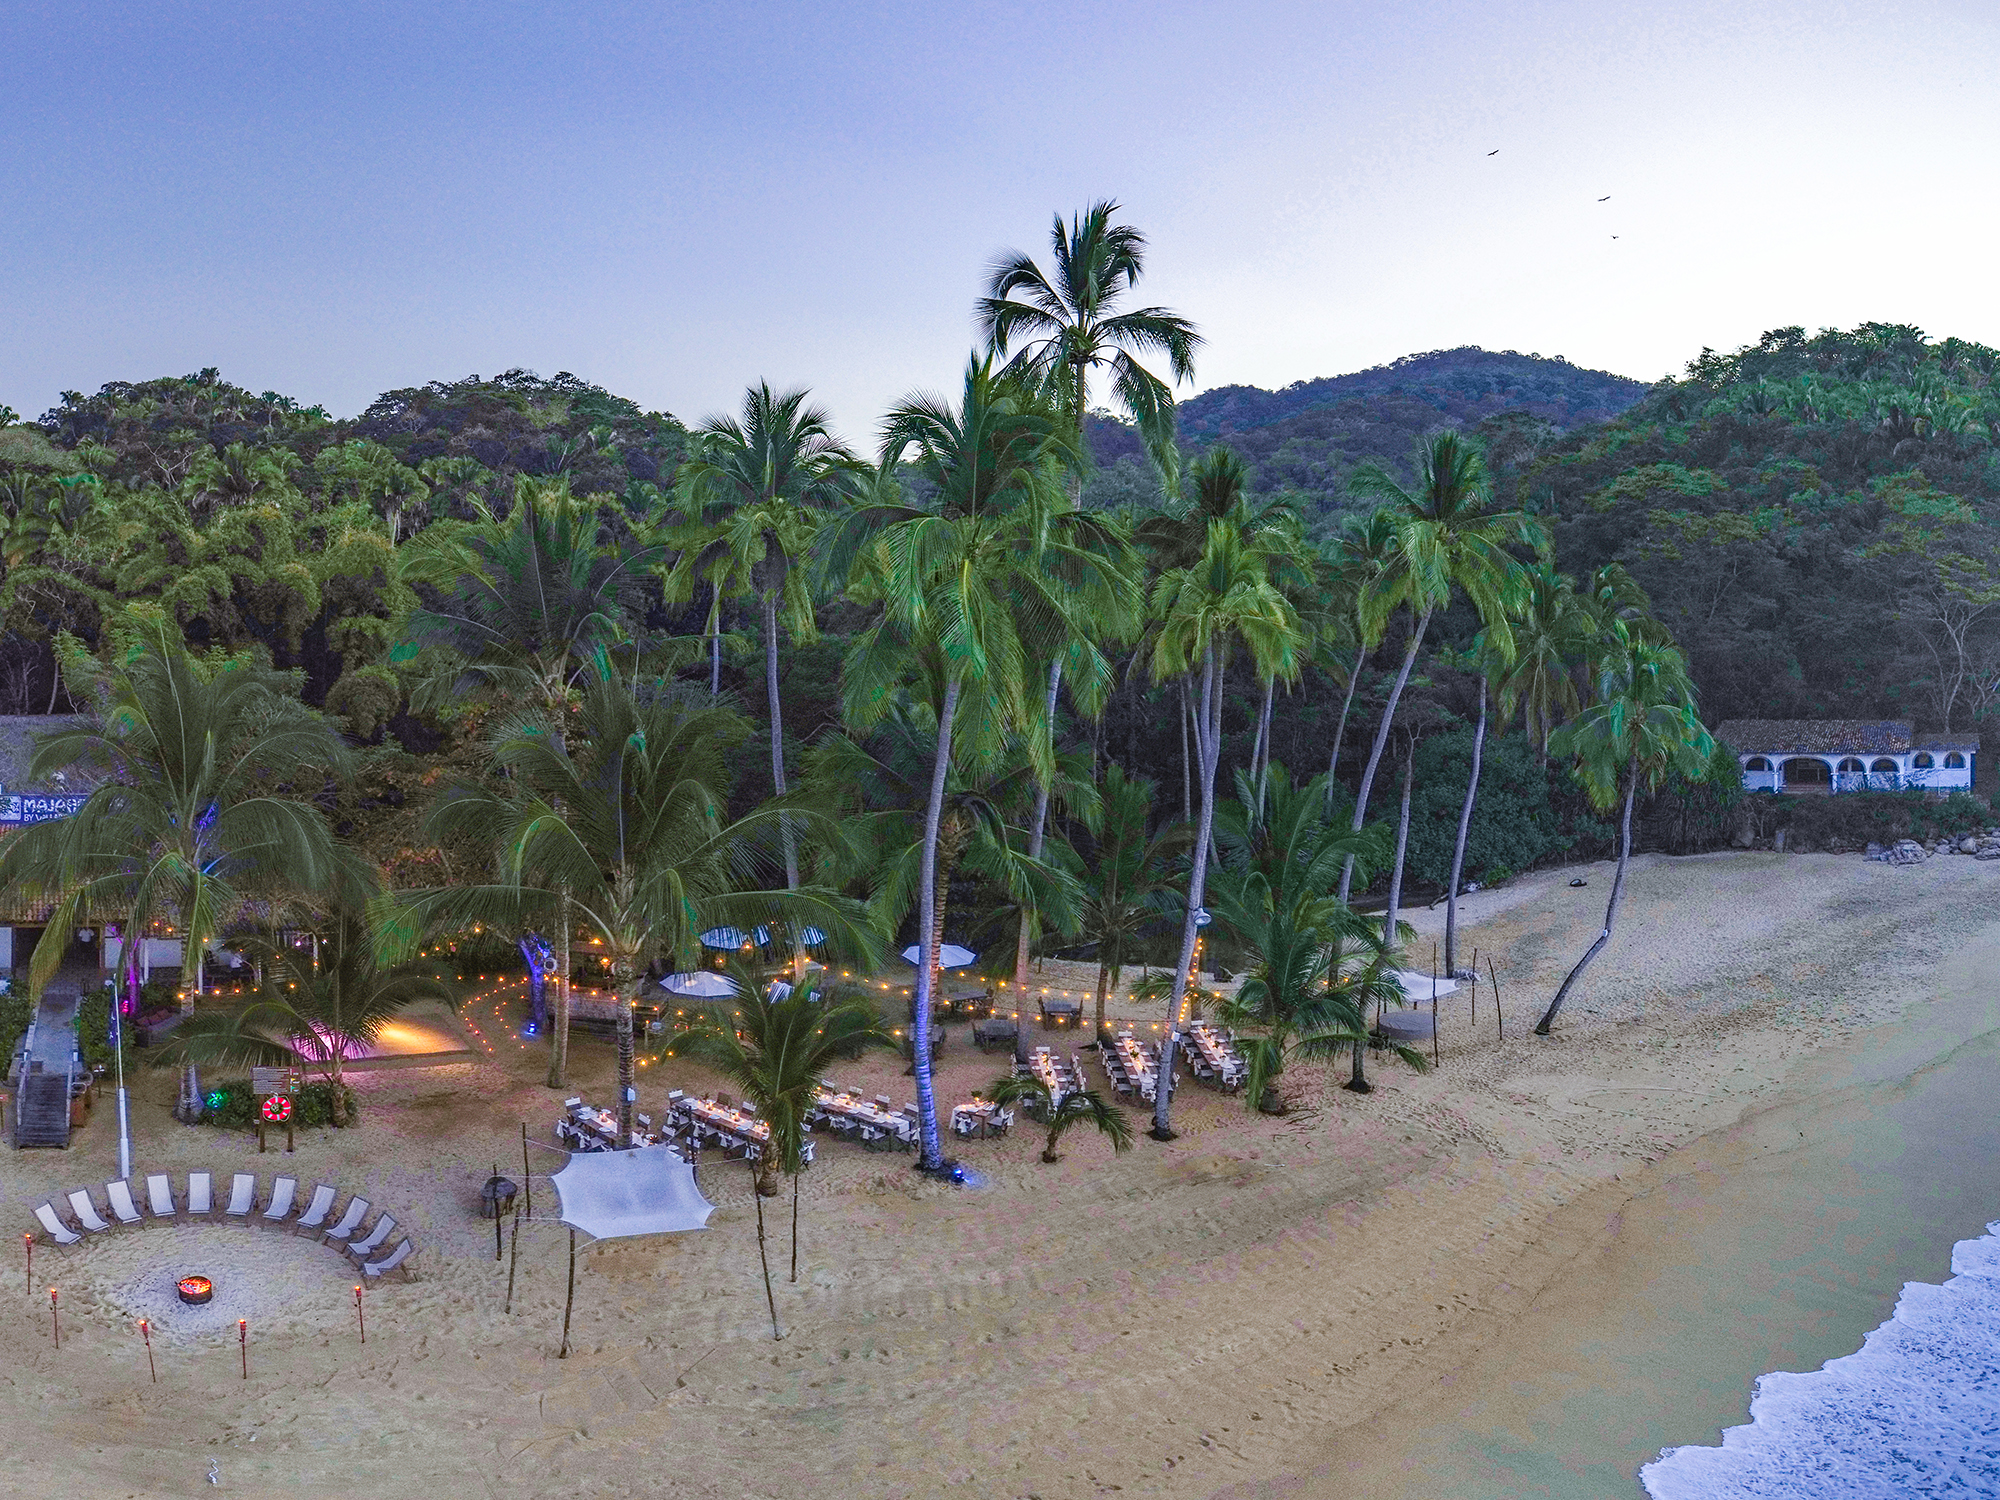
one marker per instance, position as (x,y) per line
(41,1109)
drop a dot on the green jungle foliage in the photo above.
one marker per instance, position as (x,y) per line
(1516,823)
(1850,822)
(16,1011)
(93,1031)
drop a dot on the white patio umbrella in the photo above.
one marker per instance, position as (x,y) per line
(950,955)
(702,983)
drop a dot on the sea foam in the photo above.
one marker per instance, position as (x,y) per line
(1914,1411)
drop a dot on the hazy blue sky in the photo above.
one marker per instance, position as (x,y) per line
(674,200)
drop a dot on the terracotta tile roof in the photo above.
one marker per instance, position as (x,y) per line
(1834,737)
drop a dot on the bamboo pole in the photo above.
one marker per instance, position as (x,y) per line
(496,1213)
(1499,1015)
(1475,993)
(527,1177)
(513,1260)
(1436,1061)
(569,1301)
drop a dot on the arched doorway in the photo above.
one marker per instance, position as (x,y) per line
(1806,774)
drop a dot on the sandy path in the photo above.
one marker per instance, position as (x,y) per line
(1177,1321)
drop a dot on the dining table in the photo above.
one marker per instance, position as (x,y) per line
(1133,1062)
(863,1113)
(981,1115)
(1217,1053)
(730,1123)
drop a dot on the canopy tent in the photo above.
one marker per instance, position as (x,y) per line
(1417,986)
(701,983)
(611,1194)
(950,956)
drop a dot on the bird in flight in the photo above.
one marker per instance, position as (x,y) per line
(1605,199)
(1494,152)
(1614,236)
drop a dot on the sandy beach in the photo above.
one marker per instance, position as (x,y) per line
(1246,1311)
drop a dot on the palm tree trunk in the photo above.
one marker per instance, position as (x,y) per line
(778,733)
(1187,761)
(1611,907)
(1340,725)
(627,1063)
(1402,847)
(1260,759)
(795,1228)
(1210,726)
(1102,1032)
(1464,831)
(764,1255)
(559,1027)
(1381,742)
(1035,830)
(929,916)
(715,641)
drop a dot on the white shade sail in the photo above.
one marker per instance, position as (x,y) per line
(612,1194)
(950,955)
(703,983)
(1417,986)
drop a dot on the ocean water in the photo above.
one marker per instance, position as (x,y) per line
(1914,1412)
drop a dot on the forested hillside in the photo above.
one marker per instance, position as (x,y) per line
(1309,437)
(1816,518)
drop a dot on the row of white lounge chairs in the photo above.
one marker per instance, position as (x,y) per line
(280,1210)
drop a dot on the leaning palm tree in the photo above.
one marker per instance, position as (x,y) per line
(1641,726)
(623,821)
(1066,327)
(1358,555)
(316,1011)
(1058,1118)
(775,1044)
(752,498)
(1447,542)
(195,808)
(963,586)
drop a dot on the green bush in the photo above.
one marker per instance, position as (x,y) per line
(93,1030)
(1515,824)
(1853,819)
(15,1014)
(1688,814)
(231,1106)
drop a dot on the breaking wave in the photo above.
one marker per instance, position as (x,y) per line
(1914,1411)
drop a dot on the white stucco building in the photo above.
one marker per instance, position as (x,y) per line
(1817,756)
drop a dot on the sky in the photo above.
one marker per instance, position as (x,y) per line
(676,200)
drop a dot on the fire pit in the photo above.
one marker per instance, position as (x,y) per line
(195,1290)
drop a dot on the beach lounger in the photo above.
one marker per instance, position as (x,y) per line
(384,1227)
(160,1196)
(201,1195)
(119,1196)
(242,1196)
(393,1261)
(314,1218)
(86,1212)
(350,1220)
(58,1232)
(284,1195)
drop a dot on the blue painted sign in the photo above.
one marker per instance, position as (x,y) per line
(35,807)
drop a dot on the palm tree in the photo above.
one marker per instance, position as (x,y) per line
(774,1045)
(622,821)
(1552,631)
(1126,878)
(1446,542)
(1485,662)
(767,479)
(526,603)
(1202,612)
(316,1011)
(879,783)
(1083,1106)
(1640,726)
(193,811)
(1360,553)
(528,600)
(1067,328)
(966,602)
